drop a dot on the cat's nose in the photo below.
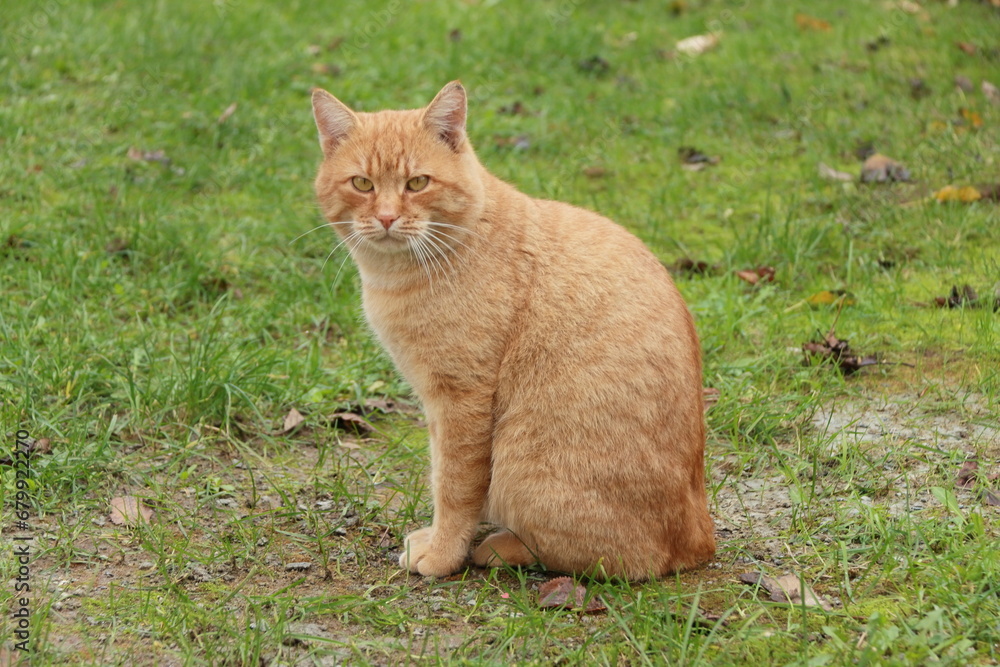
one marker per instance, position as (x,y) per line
(387,219)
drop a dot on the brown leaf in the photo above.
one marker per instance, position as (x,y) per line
(230,110)
(991,92)
(832,349)
(710,395)
(787,589)
(967,47)
(515,109)
(352,423)
(959,297)
(970,118)
(967,475)
(806,22)
(147,156)
(992,499)
(881,169)
(964,83)
(455,35)
(564,593)
(691,267)
(761,274)
(595,172)
(291,421)
(693,159)
(129,511)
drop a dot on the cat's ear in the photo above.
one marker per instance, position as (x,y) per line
(333,119)
(445,116)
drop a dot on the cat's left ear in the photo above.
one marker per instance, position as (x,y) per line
(445,116)
(333,119)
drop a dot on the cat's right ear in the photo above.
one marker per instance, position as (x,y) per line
(333,120)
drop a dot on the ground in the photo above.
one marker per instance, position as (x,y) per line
(166,307)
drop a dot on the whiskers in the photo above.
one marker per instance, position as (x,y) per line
(438,249)
(433,248)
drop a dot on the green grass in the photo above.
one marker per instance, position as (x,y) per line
(160,318)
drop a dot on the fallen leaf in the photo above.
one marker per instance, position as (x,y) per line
(959,297)
(697,44)
(761,274)
(147,156)
(832,174)
(564,593)
(455,35)
(991,92)
(992,499)
(693,159)
(292,420)
(832,349)
(967,475)
(515,109)
(964,83)
(828,297)
(325,68)
(806,22)
(966,47)
(348,421)
(31,447)
(787,589)
(129,510)
(951,193)
(314,50)
(595,64)
(690,267)
(230,110)
(878,43)
(594,172)
(919,88)
(710,396)
(881,169)
(971,118)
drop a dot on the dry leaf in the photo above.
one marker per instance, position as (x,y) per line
(828,297)
(697,44)
(292,420)
(832,349)
(880,169)
(594,172)
(693,159)
(129,510)
(710,395)
(762,274)
(564,593)
(325,68)
(951,193)
(806,22)
(787,589)
(147,156)
(230,110)
(691,267)
(964,83)
(959,297)
(991,92)
(971,118)
(353,423)
(967,47)
(967,475)
(832,174)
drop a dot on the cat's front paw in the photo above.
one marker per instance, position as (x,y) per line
(430,557)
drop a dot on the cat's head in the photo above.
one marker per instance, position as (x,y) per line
(403,184)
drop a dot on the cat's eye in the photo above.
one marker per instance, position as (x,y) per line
(362,183)
(417,183)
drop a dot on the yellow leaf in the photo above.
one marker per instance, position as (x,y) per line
(827,297)
(965,194)
(806,22)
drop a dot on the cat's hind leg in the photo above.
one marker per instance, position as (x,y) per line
(503,548)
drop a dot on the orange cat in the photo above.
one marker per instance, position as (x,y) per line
(557,363)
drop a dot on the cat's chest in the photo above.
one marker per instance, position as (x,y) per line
(429,335)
